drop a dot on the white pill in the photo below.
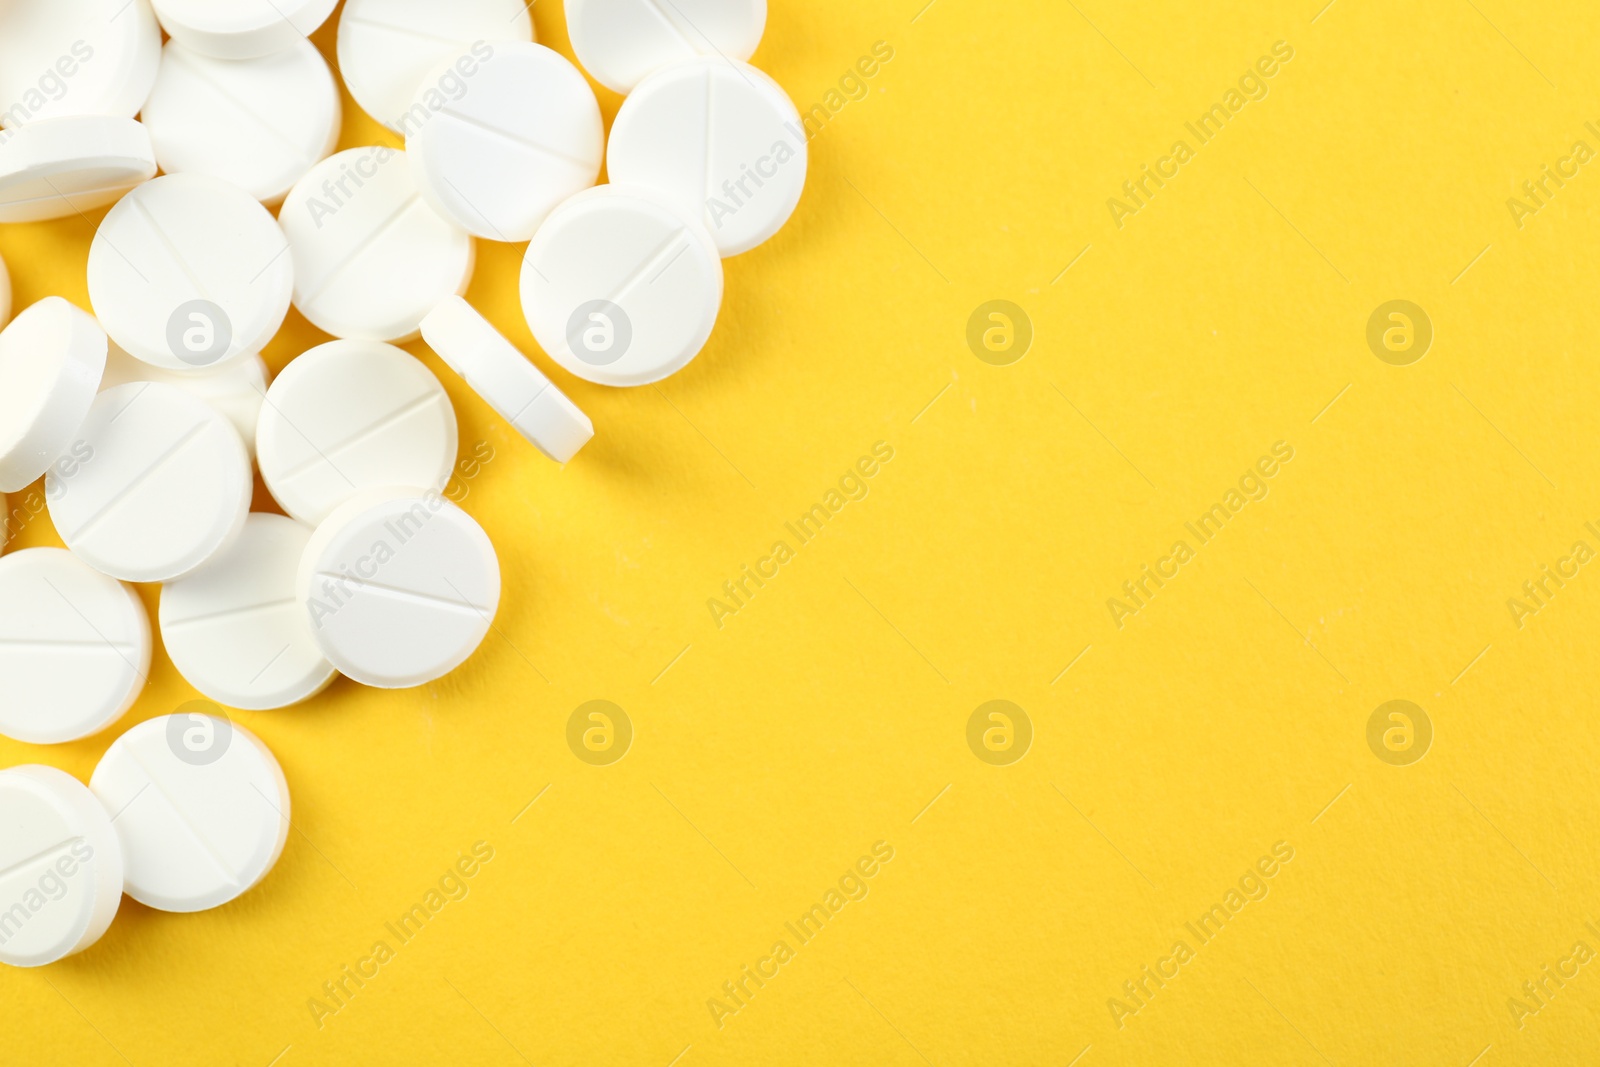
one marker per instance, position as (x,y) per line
(497,372)
(349,416)
(60,866)
(242,29)
(401,586)
(188,271)
(387,47)
(619,288)
(619,42)
(203,809)
(51,359)
(165,488)
(370,257)
(59,167)
(491,163)
(74,647)
(259,124)
(236,389)
(235,629)
(75,57)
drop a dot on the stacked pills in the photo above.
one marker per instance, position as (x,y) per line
(147,418)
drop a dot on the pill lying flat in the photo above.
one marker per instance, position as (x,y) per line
(53,168)
(619,42)
(203,809)
(236,630)
(75,57)
(349,416)
(74,647)
(188,271)
(504,378)
(619,288)
(495,166)
(259,124)
(167,488)
(242,29)
(52,357)
(719,140)
(387,47)
(236,388)
(60,866)
(400,586)
(370,257)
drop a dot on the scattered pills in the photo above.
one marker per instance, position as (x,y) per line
(60,866)
(719,140)
(203,809)
(401,586)
(52,357)
(349,416)
(503,377)
(168,485)
(75,57)
(236,389)
(58,167)
(370,257)
(258,123)
(620,42)
(242,29)
(387,47)
(235,629)
(619,288)
(74,647)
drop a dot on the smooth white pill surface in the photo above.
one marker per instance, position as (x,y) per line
(721,141)
(370,257)
(242,29)
(203,809)
(75,57)
(387,47)
(516,389)
(619,288)
(236,389)
(400,586)
(259,124)
(58,167)
(619,42)
(60,866)
(349,416)
(52,357)
(493,164)
(168,486)
(235,629)
(188,271)
(74,647)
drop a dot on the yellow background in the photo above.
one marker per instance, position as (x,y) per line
(827,715)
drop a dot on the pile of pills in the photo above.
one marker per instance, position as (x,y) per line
(146,418)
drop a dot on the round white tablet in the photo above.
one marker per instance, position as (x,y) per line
(75,57)
(259,124)
(349,416)
(168,485)
(235,629)
(401,586)
(58,167)
(619,288)
(504,378)
(51,359)
(491,163)
(370,257)
(203,809)
(619,42)
(721,141)
(236,389)
(242,29)
(387,47)
(60,866)
(188,271)
(74,647)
